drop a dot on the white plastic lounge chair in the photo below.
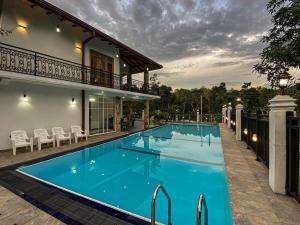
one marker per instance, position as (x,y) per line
(19,138)
(43,137)
(78,133)
(60,135)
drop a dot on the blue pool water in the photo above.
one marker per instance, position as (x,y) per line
(187,159)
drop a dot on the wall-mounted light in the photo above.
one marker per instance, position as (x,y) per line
(22,26)
(245,131)
(117,55)
(254,138)
(233,123)
(92,99)
(229,103)
(57,29)
(124,65)
(78,47)
(147,69)
(238,99)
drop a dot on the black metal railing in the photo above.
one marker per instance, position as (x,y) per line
(20,60)
(163,117)
(255,132)
(232,120)
(292,156)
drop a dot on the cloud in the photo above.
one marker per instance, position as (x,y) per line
(176,30)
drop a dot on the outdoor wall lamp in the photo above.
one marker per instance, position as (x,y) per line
(147,69)
(22,26)
(254,138)
(233,123)
(117,55)
(57,29)
(238,99)
(283,82)
(229,104)
(245,131)
(124,65)
(92,99)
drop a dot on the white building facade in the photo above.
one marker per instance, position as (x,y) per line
(56,70)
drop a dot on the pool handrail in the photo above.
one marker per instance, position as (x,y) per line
(202,201)
(153,204)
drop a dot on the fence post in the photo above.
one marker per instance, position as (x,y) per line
(224,109)
(238,121)
(279,105)
(229,116)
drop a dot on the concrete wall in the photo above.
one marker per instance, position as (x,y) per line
(46,107)
(41,36)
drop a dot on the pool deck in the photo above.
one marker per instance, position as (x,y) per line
(252,200)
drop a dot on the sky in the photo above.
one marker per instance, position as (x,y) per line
(199,42)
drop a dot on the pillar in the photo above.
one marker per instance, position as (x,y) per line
(118,114)
(229,116)
(146,115)
(198,116)
(238,121)
(224,109)
(279,105)
(129,81)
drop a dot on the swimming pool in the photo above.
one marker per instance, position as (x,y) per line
(186,159)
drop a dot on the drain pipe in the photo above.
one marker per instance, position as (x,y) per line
(83,77)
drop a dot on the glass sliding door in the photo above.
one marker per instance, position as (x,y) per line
(101,114)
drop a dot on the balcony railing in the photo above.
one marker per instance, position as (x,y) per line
(20,60)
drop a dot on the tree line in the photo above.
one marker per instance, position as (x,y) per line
(188,101)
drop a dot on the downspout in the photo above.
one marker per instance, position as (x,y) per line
(84,75)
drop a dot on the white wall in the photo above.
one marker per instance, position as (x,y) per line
(41,36)
(46,107)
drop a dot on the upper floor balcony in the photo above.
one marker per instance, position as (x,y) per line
(24,61)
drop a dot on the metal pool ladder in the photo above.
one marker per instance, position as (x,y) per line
(202,201)
(153,204)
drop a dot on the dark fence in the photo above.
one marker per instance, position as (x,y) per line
(255,132)
(20,60)
(292,156)
(232,120)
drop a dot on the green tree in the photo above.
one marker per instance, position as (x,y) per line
(282,51)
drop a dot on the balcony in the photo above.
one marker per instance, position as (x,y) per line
(20,60)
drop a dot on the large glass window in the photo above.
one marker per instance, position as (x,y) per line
(101,114)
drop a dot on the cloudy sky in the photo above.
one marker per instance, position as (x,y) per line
(199,42)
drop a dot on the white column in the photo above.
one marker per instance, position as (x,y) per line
(228,116)
(224,109)
(238,121)
(198,116)
(279,105)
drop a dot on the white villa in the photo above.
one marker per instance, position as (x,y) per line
(56,70)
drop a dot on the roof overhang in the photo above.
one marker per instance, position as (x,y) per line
(134,59)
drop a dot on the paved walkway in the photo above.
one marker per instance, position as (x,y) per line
(253,202)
